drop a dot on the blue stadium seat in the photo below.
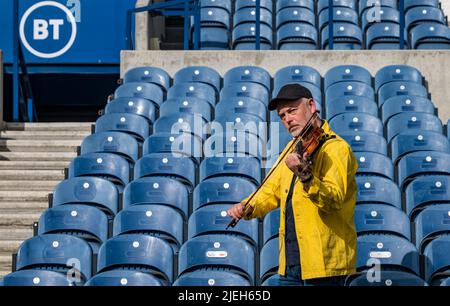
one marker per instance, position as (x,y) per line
(86,222)
(388,278)
(234,143)
(157,190)
(275,146)
(245,90)
(239,123)
(448,129)
(381,219)
(222,190)
(244,37)
(216,17)
(149,91)
(386,15)
(65,254)
(112,142)
(183,169)
(421,163)
(247,15)
(437,260)
(190,105)
(384,36)
(245,167)
(92,191)
(225,4)
(373,4)
(430,223)
(153,75)
(365,141)
(188,123)
(340,14)
(412,121)
(295,74)
(351,104)
(349,88)
(211,278)
(377,189)
(200,74)
(394,73)
(387,251)
(177,144)
(268,264)
(295,14)
(240,4)
(193,89)
(123,278)
(142,253)
(137,106)
(247,74)
(445,282)
(347,73)
(273,280)
(106,165)
(282,4)
(271,225)
(374,164)
(347,36)
(160,221)
(417,140)
(356,122)
(214,38)
(400,88)
(217,252)
(35,278)
(297,36)
(135,125)
(409,4)
(430,36)
(423,14)
(400,104)
(243,106)
(213,219)
(323,4)
(425,191)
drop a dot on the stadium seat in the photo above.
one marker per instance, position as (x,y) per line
(395,73)
(351,104)
(135,125)
(296,15)
(426,36)
(377,189)
(347,73)
(161,221)
(357,122)
(35,278)
(238,123)
(248,15)
(214,38)
(323,4)
(245,167)
(92,191)
(347,36)
(213,219)
(240,4)
(388,278)
(269,259)
(381,219)
(222,190)
(137,106)
(295,74)
(119,143)
(245,90)
(271,225)
(423,14)
(243,106)
(218,253)
(445,282)
(193,124)
(183,169)
(400,104)
(417,140)
(66,254)
(157,190)
(193,89)
(225,4)
(123,278)
(340,14)
(247,74)
(412,121)
(349,88)
(244,37)
(142,253)
(409,4)
(400,88)
(211,278)
(425,191)
(297,36)
(437,260)
(421,163)
(365,141)
(374,164)
(86,222)
(273,280)
(153,75)
(106,165)
(149,91)
(282,4)
(386,15)
(234,143)
(371,4)
(387,251)
(190,105)
(384,36)
(216,17)
(430,223)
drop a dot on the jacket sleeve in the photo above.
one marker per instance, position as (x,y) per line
(328,187)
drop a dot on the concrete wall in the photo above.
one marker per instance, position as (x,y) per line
(434,65)
(445,4)
(1,91)
(150,29)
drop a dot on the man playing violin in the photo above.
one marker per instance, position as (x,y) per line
(316,193)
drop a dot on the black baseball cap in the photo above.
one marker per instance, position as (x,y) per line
(290,92)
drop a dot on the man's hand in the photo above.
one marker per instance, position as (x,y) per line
(237,210)
(299,166)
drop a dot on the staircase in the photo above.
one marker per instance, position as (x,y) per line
(32,161)
(174,33)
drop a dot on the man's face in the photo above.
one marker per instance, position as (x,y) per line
(295,114)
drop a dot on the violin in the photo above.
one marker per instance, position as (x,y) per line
(306,144)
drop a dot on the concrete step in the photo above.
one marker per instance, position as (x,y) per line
(49,126)
(39,145)
(18,219)
(44,135)
(9,246)
(28,185)
(19,234)
(32,165)
(28,206)
(32,175)
(38,156)
(23,196)
(5,264)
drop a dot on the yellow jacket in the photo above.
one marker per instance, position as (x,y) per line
(323,216)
